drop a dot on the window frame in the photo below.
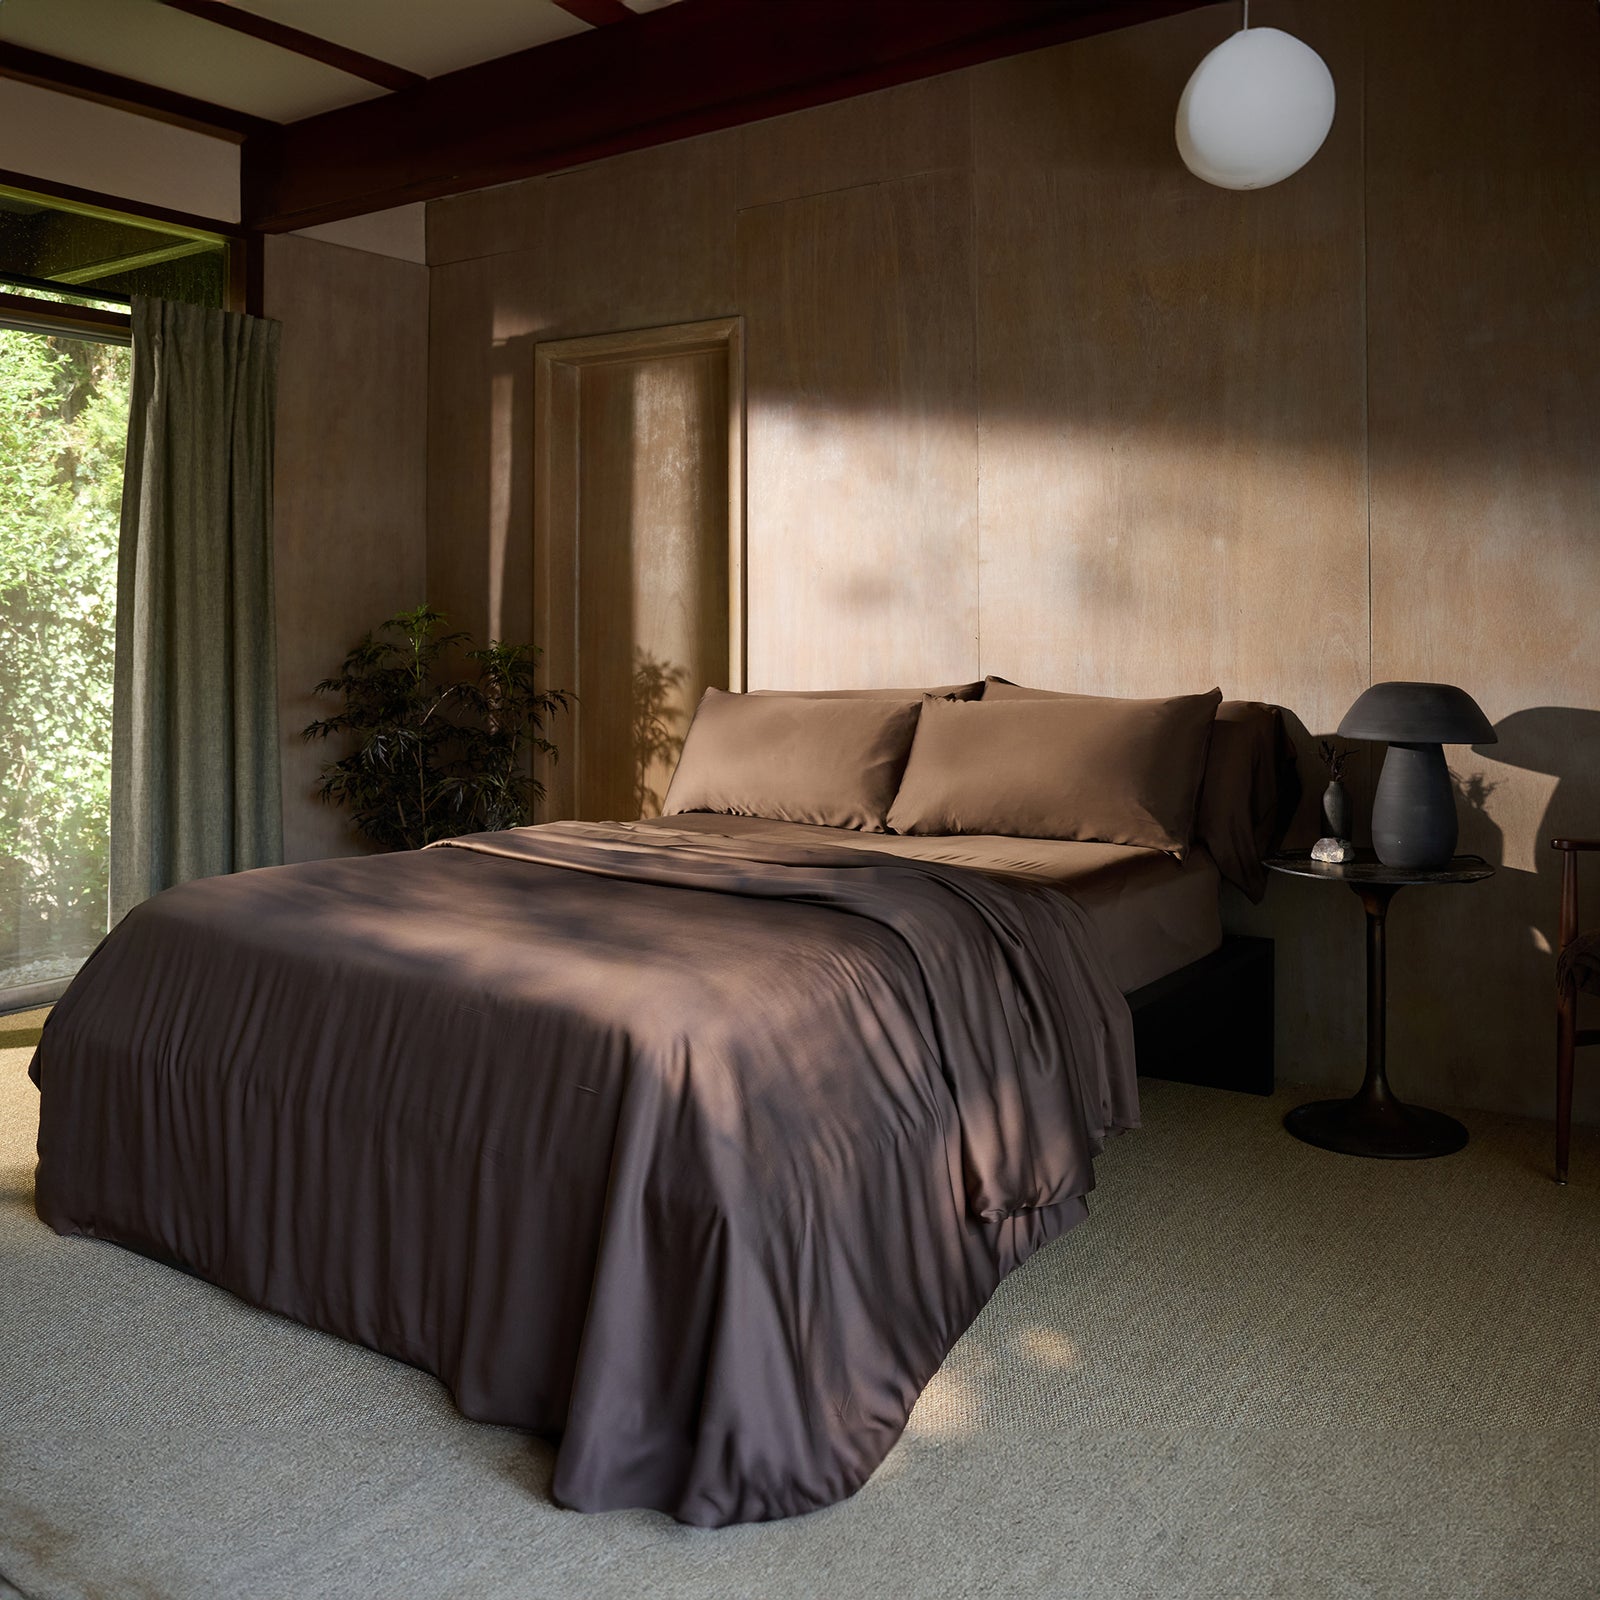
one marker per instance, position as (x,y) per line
(116,327)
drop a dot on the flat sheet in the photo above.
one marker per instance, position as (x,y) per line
(693,1153)
(1153,914)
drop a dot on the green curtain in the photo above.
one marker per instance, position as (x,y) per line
(194,727)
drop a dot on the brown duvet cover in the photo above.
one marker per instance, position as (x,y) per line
(694,1154)
(1152,914)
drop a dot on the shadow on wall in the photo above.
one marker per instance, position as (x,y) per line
(1472,1014)
(1360,781)
(1476,963)
(660,721)
(1563,743)
(480,495)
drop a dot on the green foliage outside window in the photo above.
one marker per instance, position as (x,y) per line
(63,427)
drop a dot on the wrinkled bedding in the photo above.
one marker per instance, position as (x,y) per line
(1153,915)
(693,1154)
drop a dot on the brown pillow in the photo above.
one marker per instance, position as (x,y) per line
(1249,792)
(1062,767)
(1249,789)
(794,758)
(951,691)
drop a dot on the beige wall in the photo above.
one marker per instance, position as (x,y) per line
(1025,397)
(401,232)
(350,485)
(58,138)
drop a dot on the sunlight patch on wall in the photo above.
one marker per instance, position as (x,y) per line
(862,539)
(514,322)
(917,547)
(503,448)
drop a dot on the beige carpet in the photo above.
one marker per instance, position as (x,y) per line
(1259,1370)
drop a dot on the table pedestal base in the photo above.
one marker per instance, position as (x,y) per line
(1374,1123)
(1386,1128)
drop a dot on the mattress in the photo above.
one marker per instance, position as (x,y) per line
(1153,914)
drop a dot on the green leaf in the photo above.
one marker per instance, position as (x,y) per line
(432,754)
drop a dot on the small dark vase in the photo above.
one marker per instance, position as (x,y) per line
(1336,810)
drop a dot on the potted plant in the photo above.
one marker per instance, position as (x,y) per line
(432,758)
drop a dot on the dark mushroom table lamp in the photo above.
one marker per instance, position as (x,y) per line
(1414,810)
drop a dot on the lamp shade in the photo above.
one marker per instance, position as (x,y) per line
(1417,713)
(1256,110)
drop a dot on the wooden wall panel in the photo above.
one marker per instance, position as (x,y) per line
(638,553)
(1483,242)
(480,443)
(350,531)
(875,138)
(652,560)
(613,238)
(1172,475)
(485,222)
(1172,470)
(862,563)
(1026,397)
(641,241)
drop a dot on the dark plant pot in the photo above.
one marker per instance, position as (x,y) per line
(1414,810)
(1336,810)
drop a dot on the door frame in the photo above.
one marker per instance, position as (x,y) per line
(557,369)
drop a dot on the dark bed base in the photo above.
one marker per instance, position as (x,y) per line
(1210,1022)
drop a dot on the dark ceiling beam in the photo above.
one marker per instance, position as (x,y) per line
(310,45)
(127,94)
(689,68)
(597,13)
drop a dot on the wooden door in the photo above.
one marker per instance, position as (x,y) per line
(638,553)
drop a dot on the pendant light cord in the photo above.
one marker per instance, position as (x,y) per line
(1246,22)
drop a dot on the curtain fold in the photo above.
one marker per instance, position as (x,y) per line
(194,741)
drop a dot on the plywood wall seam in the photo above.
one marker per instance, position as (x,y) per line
(1184,409)
(850,188)
(1366,351)
(464,261)
(977,383)
(426,467)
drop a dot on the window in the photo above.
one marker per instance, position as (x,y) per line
(66,274)
(58,249)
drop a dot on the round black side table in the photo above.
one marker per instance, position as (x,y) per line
(1373,1122)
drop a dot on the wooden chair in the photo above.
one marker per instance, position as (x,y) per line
(1578,967)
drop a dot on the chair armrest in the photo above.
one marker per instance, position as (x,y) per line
(1575,844)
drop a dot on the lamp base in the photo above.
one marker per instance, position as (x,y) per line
(1414,811)
(1387,1130)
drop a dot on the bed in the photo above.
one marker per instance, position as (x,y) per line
(1152,915)
(692,1144)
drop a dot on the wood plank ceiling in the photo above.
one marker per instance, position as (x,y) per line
(352,106)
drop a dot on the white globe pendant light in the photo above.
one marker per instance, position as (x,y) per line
(1256,110)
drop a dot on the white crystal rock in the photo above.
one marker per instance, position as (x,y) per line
(1334,850)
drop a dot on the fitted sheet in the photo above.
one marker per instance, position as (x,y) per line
(1153,914)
